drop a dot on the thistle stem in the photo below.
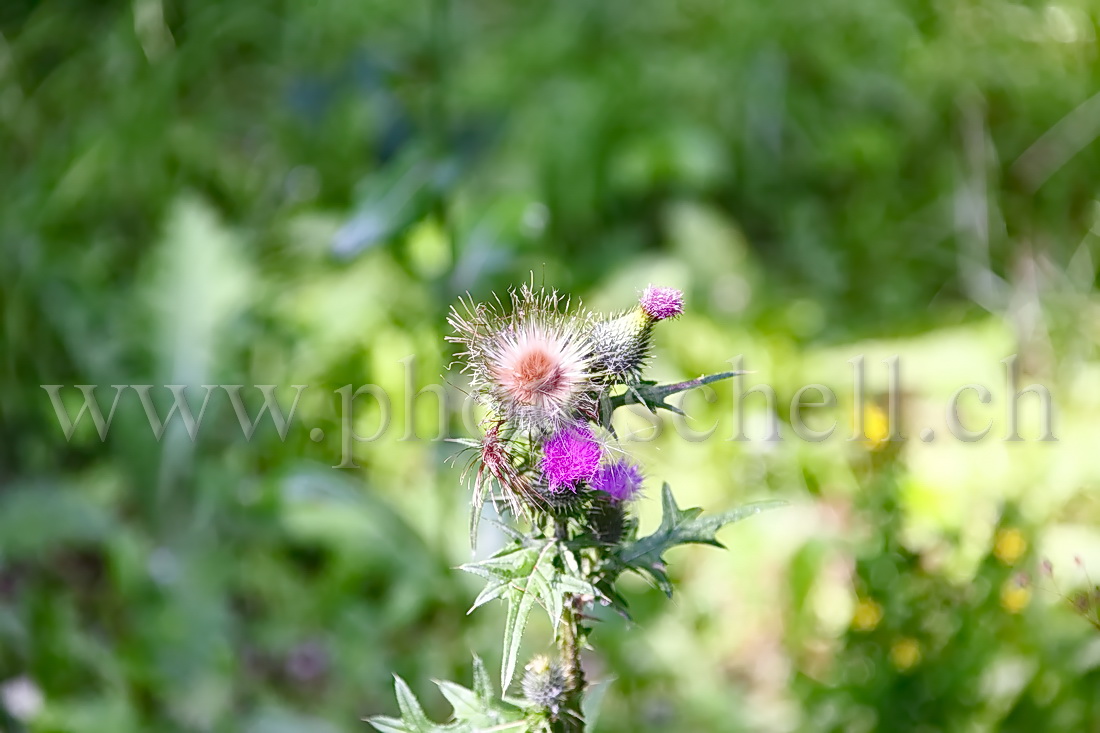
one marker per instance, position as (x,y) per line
(571,719)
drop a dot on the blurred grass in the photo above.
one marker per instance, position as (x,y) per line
(293,193)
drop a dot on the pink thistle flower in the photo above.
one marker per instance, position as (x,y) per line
(662,303)
(531,365)
(621,480)
(538,367)
(569,457)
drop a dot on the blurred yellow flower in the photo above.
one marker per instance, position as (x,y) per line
(876,426)
(1014,597)
(905,653)
(1009,545)
(867,615)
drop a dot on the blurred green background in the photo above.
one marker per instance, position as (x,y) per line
(294,192)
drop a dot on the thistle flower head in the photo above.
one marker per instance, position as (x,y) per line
(530,365)
(570,456)
(545,683)
(662,303)
(621,480)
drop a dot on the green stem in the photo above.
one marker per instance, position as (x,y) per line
(569,642)
(570,720)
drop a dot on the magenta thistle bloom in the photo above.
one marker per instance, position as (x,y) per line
(622,480)
(662,303)
(570,456)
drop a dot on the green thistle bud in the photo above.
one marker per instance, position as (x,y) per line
(620,346)
(607,520)
(559,503)
(545,684)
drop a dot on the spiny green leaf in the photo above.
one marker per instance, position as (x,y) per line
(475,711)
(508,529)
(483,684)
(653,395)
(542,584)
(521,600)
(521,576)
(492,590)
(680,527)
(468,706)
(510,561)
(411,712)
(477,504)
(519,610)
(387,724)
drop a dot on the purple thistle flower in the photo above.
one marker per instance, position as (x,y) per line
(662,303)
(622,480)
(570,456)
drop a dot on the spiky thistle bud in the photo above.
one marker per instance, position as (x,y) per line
(545,683)
(621,345)
(607,520)
(559,503)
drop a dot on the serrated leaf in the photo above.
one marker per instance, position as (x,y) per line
(477,505)
(519,610)
(653,395)
(411,712)
(493,589)
(521,599)
(512,560)
(616,599)
(483,684)
(576,586)
(521,576)
(542,584)
(387,724)
(468,706)
(475,711)
(508,529)
(680,527)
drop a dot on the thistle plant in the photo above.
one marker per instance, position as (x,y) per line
(551,376)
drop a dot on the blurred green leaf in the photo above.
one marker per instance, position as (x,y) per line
(39,519)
